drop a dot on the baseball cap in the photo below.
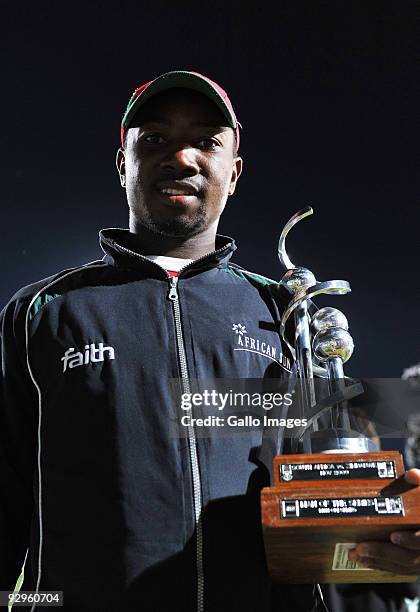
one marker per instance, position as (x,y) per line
(186,79)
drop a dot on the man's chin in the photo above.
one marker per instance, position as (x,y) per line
(175,228)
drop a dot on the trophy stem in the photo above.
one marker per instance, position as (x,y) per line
(304,357)
(336,382)
(336,372)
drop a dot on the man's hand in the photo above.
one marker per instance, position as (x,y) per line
(402,556)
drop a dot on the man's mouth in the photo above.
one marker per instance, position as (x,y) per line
(176,187)
(175,192)
(177,197)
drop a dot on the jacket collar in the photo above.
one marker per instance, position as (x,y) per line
(122,249)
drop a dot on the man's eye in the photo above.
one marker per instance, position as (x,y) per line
(153,138)
(208,143)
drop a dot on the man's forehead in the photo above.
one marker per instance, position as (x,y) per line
(177,103)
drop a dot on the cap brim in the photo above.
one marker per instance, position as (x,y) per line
(180,78)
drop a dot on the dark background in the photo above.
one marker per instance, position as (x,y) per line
(327,94)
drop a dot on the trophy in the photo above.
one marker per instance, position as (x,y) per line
(335,489)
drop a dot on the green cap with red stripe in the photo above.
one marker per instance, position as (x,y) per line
(188,80)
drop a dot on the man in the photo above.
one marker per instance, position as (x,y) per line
(117,511)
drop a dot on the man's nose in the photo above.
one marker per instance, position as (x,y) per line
(182,158)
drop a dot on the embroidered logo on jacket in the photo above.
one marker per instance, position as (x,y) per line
(91,354)
(254,345)
(239,329)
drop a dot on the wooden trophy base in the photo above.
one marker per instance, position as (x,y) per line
(321,505)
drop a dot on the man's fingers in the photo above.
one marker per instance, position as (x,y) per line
(407,539)
(389,566)
(403,555)
(413,476)
(388,557)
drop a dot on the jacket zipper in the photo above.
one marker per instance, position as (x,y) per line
(192,444)
(192,440)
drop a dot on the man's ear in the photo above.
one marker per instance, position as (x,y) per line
(120,163)
(236,173)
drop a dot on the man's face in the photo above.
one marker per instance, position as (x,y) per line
(178,166)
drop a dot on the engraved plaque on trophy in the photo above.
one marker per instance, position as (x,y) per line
(336,489)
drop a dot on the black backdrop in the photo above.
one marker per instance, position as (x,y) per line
(327,95)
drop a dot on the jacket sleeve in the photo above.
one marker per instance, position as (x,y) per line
(18,432)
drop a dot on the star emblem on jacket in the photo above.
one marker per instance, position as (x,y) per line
(239,329)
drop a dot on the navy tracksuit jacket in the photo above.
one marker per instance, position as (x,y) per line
(117,512)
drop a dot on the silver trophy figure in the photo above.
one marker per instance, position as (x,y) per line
(334,488)
(321,346)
